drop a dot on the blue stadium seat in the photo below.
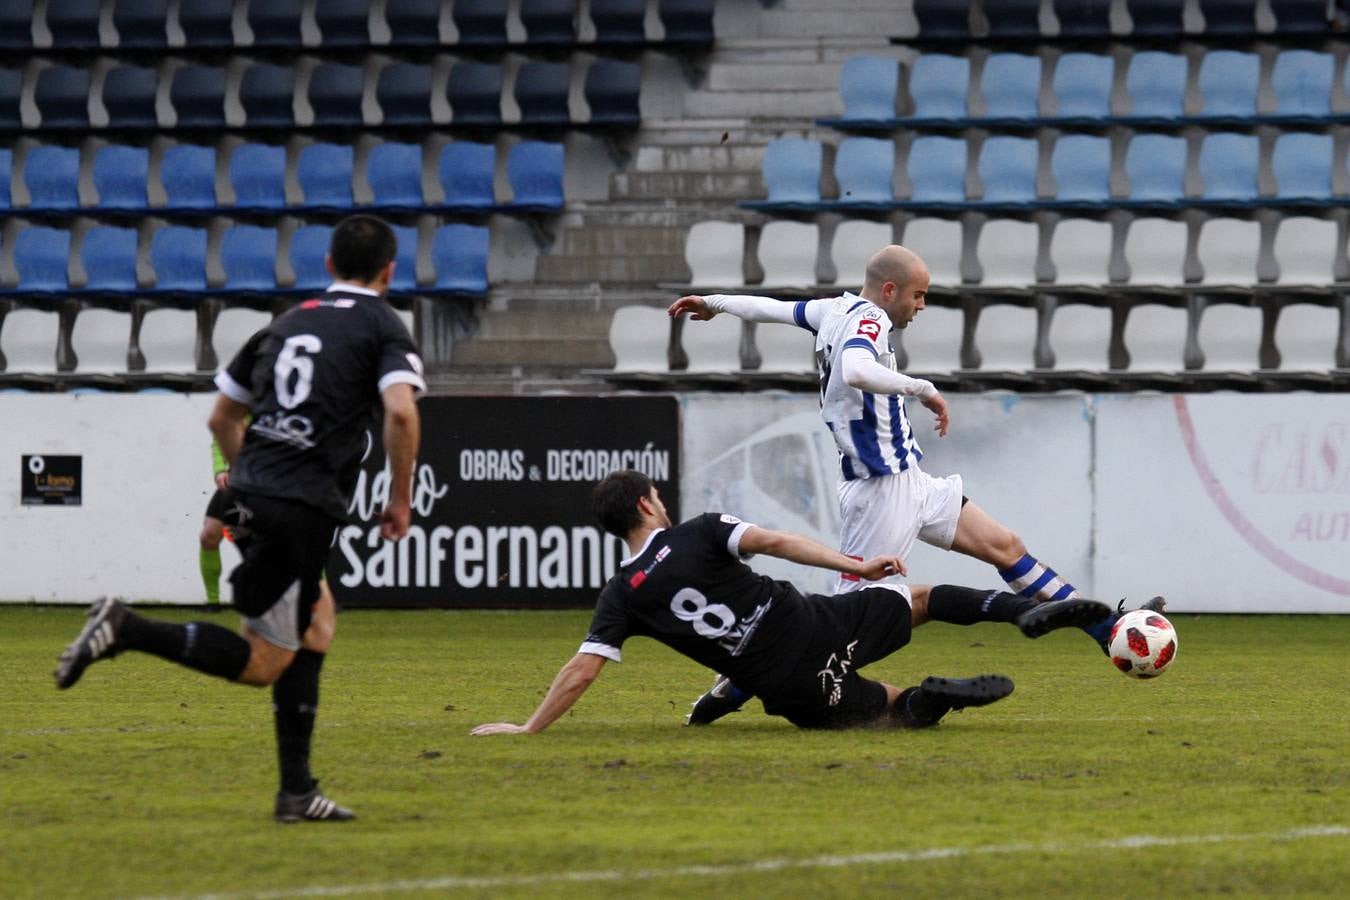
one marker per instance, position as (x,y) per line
(198,97)
(1156,85)
(6,173)
(1301,83)
(1007,168)
(266,93)
(1155,18)
(937,170)
(109,258)
(619,21)
(1083,18)
(11,89)
(460,254)
(52,175)
(1229,17)
(309,249)
(1228,84)
(275,23)
(62,97)
(475,93)
(394,173)
(42,260)
(549,21)
(73,24)
(188,174)
(466,171)
(942,20)
(1081,165)
(938,85)
(335,94)
(1013,18)
(1300,16)
(178,257)
(248,254)
(480,21)
(792,174)
(16,25)
(868,86)
(613,92)
(129,97)
(405,260)
(120,177)
(1228,166)
(1302,165)
(535,171)
(541,93)
(140,24)
(325,175)
(1155,165)
(403,91)
(1011,84)
(687,21)
(258,176)
(413,22)
(206,23)
(343,23)
(864,168)
(1082,84)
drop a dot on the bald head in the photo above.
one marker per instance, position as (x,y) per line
(897,281)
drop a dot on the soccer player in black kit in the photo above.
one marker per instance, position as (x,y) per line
(687,587)
(313,382)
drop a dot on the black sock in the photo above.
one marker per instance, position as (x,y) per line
(916,708)
(966,606)
(198,645)
(295,703)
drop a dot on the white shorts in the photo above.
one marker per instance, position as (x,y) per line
(885,514)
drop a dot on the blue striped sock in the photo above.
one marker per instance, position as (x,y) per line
(1036,581)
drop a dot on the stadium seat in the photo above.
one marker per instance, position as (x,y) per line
(541,93)
(466,171)
(549,21)
(52,176)
(714,252)
(1080,337)
(868,86)
(413,22)
(1156,86)
(1011,84)
(1228,167)
(275,23)
(73,24)
(619,21)
(335,95)
(309,249)
(1013,18)
(855,241)
(1155,166)
(1302,166)
(640,336)
(1006,250)
(459,253)
(712,347)
(787,253)
(108,255)
(266,92)
(613,92)
(403,92)
(16,25)
(1228,250)
(188,174)
(248,254)
(1305,251)
(198,97)
(864,168)
(325,175)
(1302,83)
(121,175)
(1155,252)
(1300,16)
(6,173)
(1080,251)
(1305,338)
(1004,336)
(394,173)
(1081,166)
(535,172)
(343,23)
(475,93)
(206,23)
(937,170)
(42,260)
(942,20)
(938,85)
(1007,168)
(62,97)
(141,24)
(1228,85)
(1155,18)
(11,89)
(1227,335)
(405,269)
(480,21)
(938,241)
(258,176)
(687,21)
(1229,17)
(1083,18)
(178,258)
(1082,85)
(129,97)
(791,173)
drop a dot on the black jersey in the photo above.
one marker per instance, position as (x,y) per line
(313,379)
(689,589)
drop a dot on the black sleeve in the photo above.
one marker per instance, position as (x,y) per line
(609,626)
(398,361)
(724,531)
(236,380)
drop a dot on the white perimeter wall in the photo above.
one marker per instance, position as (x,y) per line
(1220,502)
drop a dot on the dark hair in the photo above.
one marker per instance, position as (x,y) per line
(614,500)
(361,247)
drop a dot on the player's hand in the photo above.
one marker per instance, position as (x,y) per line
(937,405)
(696,306)
(395,520)
(498,728)
(222,480)
(880,567)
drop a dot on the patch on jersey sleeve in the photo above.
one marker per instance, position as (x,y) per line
(870,329)
(730,520)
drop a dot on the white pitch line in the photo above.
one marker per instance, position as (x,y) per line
(456,882)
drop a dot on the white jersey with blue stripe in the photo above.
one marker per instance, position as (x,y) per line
(872,431)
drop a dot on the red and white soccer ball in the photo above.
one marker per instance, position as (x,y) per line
(1143,644)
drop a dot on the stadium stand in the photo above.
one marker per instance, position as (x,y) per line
(129,97)
(141,24)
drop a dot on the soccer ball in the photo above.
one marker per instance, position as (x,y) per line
(1143,644)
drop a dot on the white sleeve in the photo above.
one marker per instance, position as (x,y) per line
(862,371)
(767,309)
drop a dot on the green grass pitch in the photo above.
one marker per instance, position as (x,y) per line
(1229,775)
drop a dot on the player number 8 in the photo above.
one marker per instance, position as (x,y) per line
(690,606)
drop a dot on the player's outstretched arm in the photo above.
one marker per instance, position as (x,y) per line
(744,306)
(801,549)
(568,686)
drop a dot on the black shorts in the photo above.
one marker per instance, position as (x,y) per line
(851,631)
(219,507)
(277,582)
